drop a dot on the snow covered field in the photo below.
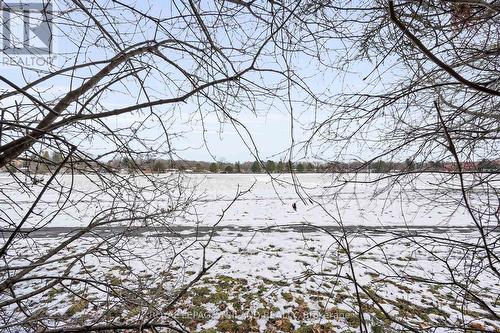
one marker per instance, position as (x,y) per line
(276,269)
(279,281)
(269,203)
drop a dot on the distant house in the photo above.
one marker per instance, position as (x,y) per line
(447,166)
(466,166)
(469,166)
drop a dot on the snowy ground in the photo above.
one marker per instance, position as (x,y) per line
(274,281)
(269,203)
(280,270)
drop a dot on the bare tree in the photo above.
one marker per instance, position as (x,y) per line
(119,69)
(429,92)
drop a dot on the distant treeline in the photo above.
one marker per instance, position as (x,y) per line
(270,166)
(46,161)
(163,165)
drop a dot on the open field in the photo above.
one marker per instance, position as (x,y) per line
(275,269)
(269,203)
